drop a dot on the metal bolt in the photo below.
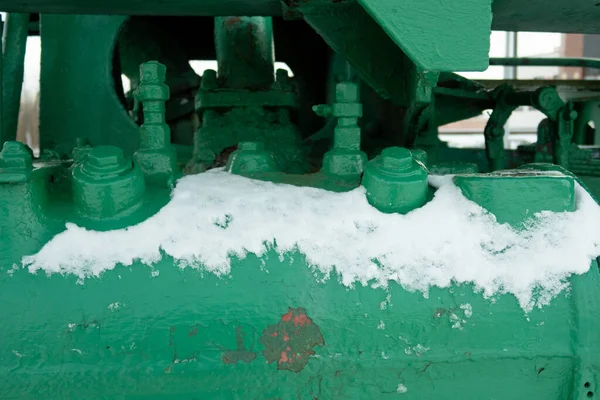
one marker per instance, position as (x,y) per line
(15,155)
(396,158)
(104,160)
(251,146)
(346,92)
(209,80)
(323,110)
(153,72)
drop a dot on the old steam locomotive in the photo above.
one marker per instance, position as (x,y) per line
(257,233)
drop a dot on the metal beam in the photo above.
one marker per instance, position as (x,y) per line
(547,62)
(146,7)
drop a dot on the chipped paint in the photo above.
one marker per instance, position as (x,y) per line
(240,354)
(290,343)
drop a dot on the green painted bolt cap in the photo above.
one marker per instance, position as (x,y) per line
(16,163)
(15,156)
(153,72)
(395,182)
(396,158)
(250,158)
(346,92)
(106,184)
(105,162)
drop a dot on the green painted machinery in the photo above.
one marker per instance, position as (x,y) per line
(357,123)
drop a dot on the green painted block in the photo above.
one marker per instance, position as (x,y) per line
(440,35)
(515,196)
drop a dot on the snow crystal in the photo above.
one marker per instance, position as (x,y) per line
(450,240)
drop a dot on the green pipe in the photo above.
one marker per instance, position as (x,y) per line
(546,62)
(14,40)
(245,52)
(2,140)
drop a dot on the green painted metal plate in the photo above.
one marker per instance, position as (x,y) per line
(438,35)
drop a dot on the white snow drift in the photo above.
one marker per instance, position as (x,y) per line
(450,240)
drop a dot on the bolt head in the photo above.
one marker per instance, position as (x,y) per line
(15,155)
(153,72)
(209,80)
(396,158)
(105,161)
(346,92)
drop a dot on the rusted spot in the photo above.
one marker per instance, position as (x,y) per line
(240,354)
(232,21)
(290,342)
(301,320)
(287,317)
(193,331)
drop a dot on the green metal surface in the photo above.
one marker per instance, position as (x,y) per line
(510,15)
(274,328)
(181,333)
(439,46)
(513,197)
(77,59)
(188,335)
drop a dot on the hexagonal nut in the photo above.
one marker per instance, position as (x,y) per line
(153,72)
(346,92)
(15,155)
(105,161)
(396,158)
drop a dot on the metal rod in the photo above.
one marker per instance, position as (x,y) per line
(2,138)
(245,51)
(15,41)
(546,62)
(147,7)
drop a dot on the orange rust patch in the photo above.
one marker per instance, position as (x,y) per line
(290,342)
(302,320)
(284,357)
(287,317)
